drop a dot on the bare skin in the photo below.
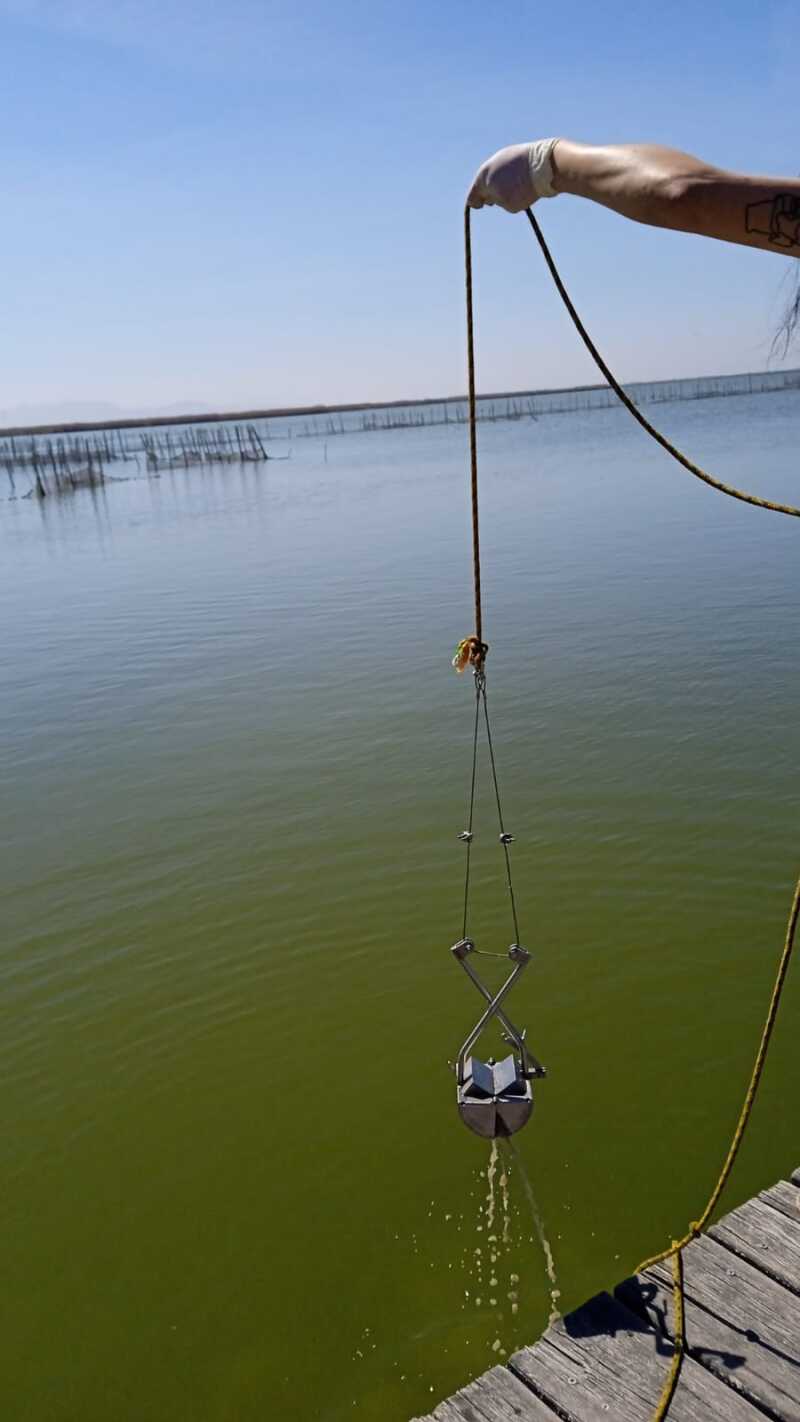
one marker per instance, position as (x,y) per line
(665,188)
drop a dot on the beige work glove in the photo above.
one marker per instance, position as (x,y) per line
(515,177)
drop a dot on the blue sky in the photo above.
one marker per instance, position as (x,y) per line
(261,203)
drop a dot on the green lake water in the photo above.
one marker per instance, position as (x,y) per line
(233,770)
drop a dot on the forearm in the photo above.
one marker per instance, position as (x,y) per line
(666,188)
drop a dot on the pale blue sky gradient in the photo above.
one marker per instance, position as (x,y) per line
(261,203)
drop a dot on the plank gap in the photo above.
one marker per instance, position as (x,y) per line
(755,1354)
(542,1396)
(733,1385)
(757,1258)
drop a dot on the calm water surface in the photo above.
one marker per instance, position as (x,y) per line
(233,771)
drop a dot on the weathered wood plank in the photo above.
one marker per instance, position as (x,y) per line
(765,1236)
(497,1396)
(784,1197)
(607,1362)
(604,1364)
(740,1324)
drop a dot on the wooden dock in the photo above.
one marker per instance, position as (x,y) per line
(608,1361)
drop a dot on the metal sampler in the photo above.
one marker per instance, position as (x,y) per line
(494,1098)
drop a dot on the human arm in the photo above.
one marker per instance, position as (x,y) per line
(647,183)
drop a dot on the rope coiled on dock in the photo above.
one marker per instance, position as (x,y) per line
(675,1251)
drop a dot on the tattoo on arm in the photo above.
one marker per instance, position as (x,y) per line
(777,218)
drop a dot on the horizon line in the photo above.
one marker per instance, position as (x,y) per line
(287,411)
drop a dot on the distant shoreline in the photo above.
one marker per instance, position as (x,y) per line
(288,411)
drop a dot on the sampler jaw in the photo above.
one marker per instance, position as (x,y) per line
(495,1099)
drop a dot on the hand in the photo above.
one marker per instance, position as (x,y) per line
(515,177)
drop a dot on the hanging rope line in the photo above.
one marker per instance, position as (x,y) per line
(467,833)
(505,838)
(473,438)
(668,1390)
(634,409)
(473,650)
(697,1227)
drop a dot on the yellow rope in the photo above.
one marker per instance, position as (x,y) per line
(671,1383)
(674,1253)
(696,1228)
(477,660)
(633,409)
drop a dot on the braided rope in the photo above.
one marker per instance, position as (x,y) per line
(675,1252)
(633,409)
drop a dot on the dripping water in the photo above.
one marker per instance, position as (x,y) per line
(538,1224)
